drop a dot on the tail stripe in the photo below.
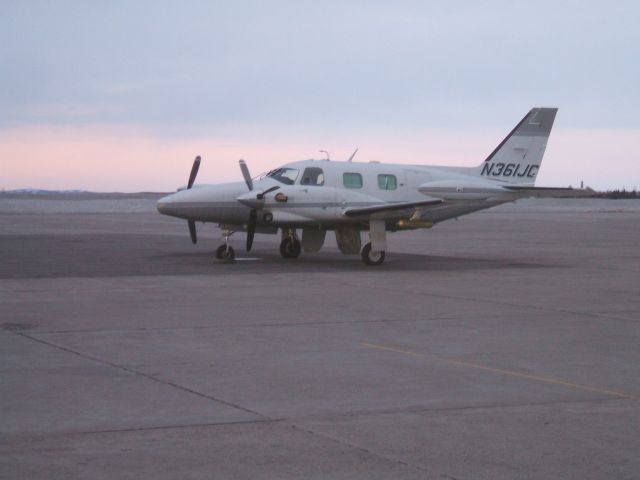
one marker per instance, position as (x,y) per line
(506,139)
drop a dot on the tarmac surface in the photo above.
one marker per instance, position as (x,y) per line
(505,345)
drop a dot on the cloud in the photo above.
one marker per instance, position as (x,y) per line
(108,158)
(332,64)
(150,83)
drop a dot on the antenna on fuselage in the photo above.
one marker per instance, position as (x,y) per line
(353,155)
(327,154)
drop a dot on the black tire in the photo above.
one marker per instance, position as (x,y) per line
(229,255)
(225,253)
(372,258)
(297,248)
(290,248)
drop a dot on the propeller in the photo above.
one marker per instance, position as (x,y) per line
(251,228)
(194,172)
(192,230)
(246,175)
(192,178)
(253,213)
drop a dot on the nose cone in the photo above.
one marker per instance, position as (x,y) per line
(162,204)
(250,200)
(166,205)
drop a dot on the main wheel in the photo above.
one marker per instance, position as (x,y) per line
(370,257)
(225,253)
(290,247)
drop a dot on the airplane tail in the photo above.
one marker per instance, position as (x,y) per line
(518,157)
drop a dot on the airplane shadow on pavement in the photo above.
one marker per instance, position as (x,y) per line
(88,255)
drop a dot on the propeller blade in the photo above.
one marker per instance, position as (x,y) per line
(192,230)
(194,172)
(246,175)
(251,228)
(261,195)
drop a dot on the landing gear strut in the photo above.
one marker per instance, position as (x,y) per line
(225,251)
(370,257)
(290,246)
(373,252)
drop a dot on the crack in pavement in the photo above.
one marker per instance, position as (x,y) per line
(141,374)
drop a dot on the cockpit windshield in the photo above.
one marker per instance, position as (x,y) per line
(284,175)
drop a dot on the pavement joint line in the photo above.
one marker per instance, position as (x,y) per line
(424,409)
(249,325)
(365,450)
(141,374)
(170,427)
(453,297)
(502,371)
(387,289)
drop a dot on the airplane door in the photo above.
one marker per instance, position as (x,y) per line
(316,193)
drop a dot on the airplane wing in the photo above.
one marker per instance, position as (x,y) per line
(388,207)
(551,192)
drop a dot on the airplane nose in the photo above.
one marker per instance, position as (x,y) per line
(164,205)
(187,204)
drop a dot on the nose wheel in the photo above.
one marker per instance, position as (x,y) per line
(290,247)
(225,251)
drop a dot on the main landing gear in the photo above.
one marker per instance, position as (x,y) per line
(369,257)
(290,246)
(225,251)
(373,252)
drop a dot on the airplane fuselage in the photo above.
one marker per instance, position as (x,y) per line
(328,189)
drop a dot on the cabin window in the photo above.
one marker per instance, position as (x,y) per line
(387,182)
(313,176)
(352,180)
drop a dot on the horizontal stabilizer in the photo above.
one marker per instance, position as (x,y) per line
(389,207)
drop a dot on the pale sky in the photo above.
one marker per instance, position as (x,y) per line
(120,96)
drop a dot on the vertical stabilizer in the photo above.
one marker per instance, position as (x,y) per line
(518,157)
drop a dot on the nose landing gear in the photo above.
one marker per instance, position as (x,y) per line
(225,252)
(290,246)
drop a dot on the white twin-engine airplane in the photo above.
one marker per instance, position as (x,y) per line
(348,197)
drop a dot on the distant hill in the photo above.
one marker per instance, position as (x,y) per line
(40,191)
(24,193)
